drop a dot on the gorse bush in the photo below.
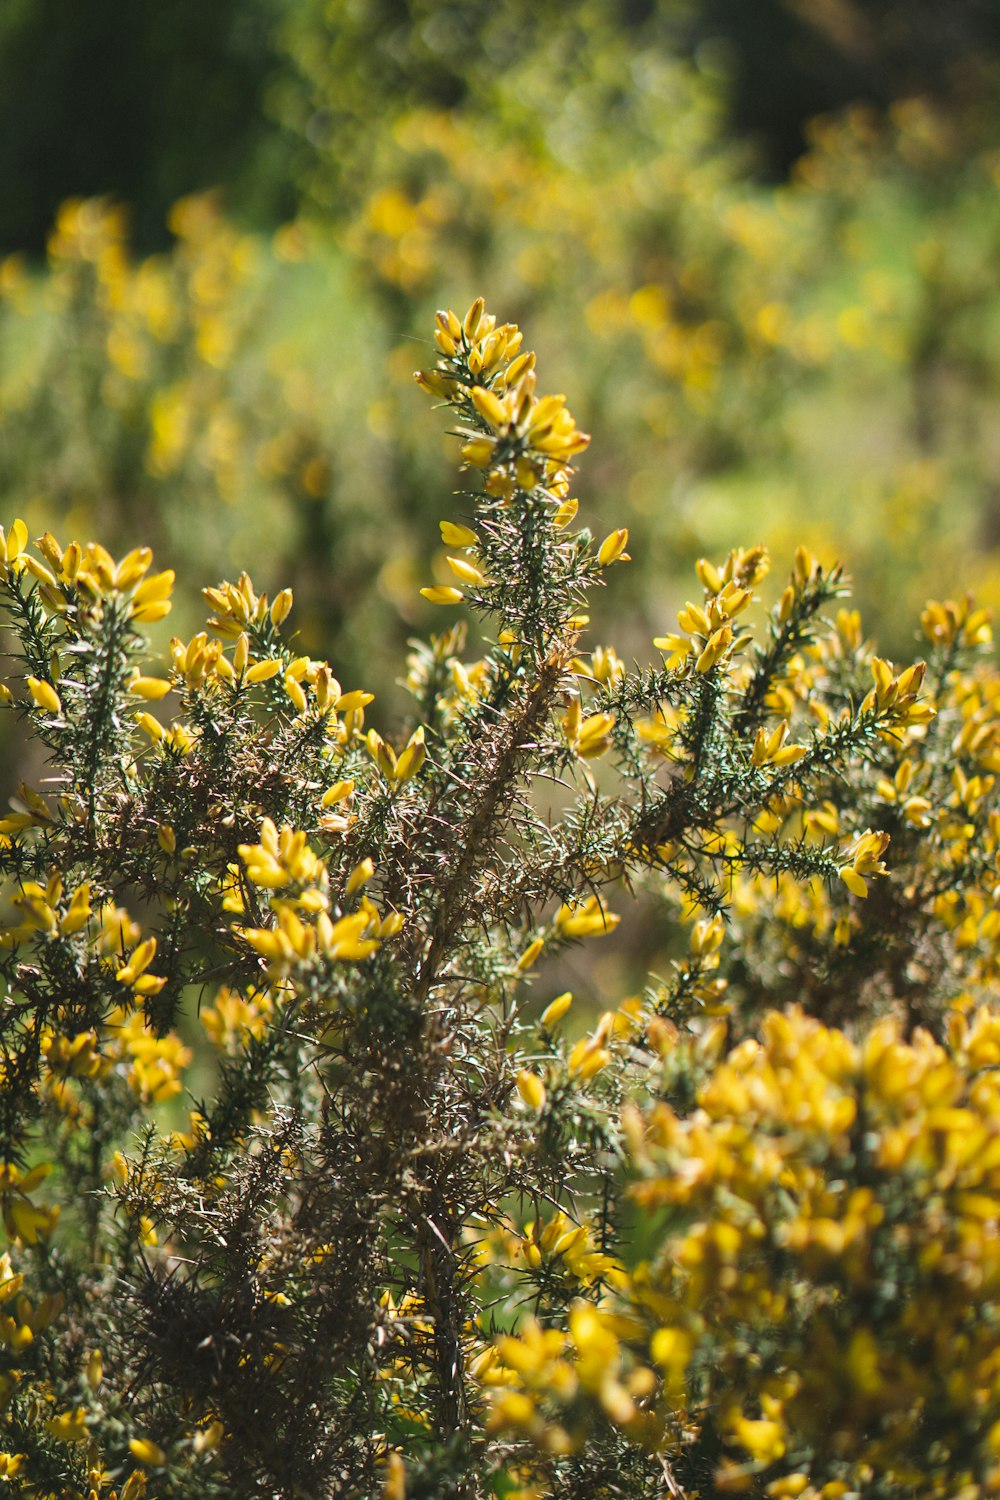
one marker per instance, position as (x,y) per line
(309,1193)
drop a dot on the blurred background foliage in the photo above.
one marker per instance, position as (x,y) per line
(757,246)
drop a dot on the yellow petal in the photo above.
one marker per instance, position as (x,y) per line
(457,536)
(45,695)
(295,693)
(147,1452)
(354,700)
(479,452)
(442,594)
(263,671)
(413,757)
(466,571)
(530,954)
(531,1089)
(613,547)
(556,1009)
(281,606)
(490,407)
(339,792)
(854,882)
(565,513)
(149,688)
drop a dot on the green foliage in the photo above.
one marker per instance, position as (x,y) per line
(414,1234)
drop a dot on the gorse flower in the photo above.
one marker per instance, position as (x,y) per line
(427,1230)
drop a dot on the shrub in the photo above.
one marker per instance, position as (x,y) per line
(421,1227)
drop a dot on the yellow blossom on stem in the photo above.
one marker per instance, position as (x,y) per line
(531,1089)
(612,549)
(442,594)
(556,1009)
(589,919)
(45,695)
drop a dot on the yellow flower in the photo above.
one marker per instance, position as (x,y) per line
(45,695)
(556,1009)
(612,549)
(442,594)
(68,1426)
(589,919)
(457,536)
(148,1452)
(531,1089)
